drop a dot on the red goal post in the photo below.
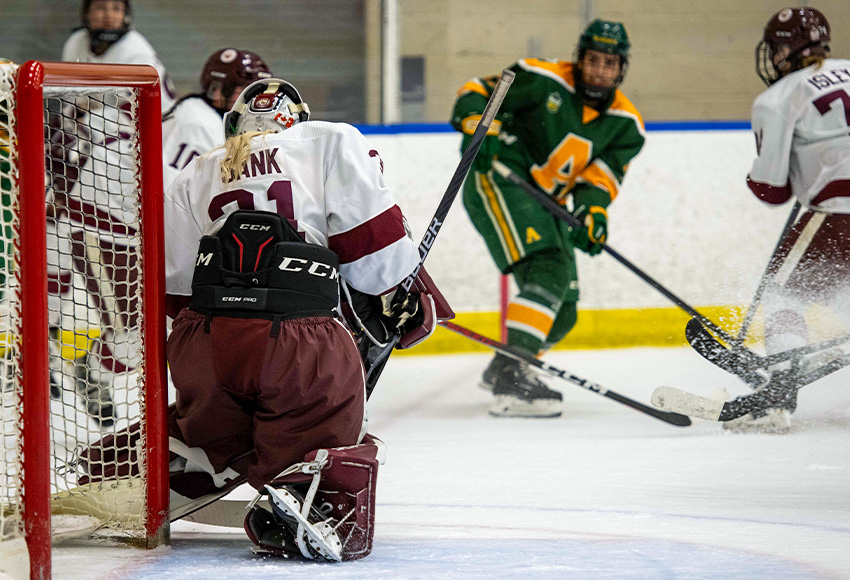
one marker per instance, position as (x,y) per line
(29,302)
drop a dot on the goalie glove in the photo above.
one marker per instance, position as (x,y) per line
(413,317)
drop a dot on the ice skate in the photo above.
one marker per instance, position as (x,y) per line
(518,392)
(95,395)
(270,534)
(777,417)
(774,420)
(318,534)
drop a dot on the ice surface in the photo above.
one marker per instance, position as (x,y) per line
(603,492)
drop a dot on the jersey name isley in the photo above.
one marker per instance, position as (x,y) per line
(838,76)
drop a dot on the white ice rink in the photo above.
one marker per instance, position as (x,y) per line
(602,492)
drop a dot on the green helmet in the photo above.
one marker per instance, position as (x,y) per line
(608,37)
(605,36)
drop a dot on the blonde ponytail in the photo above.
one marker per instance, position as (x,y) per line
(237,150)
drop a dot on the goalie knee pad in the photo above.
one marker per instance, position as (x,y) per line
(325,505)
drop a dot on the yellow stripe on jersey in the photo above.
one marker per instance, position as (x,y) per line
(530,317)
(600,175)
(474,86)
(492,200)
(558,70)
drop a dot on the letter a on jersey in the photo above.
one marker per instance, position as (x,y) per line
(531,235)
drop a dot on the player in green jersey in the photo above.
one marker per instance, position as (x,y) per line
(566,128)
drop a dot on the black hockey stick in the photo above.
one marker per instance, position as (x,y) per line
(671,418)
(745,364)
(560,213)
(380,357)
(676,400)
(766,277)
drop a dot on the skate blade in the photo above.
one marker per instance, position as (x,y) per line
(510,406)
(321,536)
(775,422)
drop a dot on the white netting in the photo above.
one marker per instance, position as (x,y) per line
(94,309)
(10,391)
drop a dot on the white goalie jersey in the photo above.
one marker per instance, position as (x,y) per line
(802,128)
(323,177)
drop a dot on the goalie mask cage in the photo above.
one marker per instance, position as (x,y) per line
(82,326)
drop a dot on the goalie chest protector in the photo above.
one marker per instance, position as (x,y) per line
(258,266)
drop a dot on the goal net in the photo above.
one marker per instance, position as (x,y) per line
(81,316)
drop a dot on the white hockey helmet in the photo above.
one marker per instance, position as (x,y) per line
(266,105)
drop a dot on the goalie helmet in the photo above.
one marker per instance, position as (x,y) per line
(791,36)
(607,37)
(103,38)
(266,105)
(229,69)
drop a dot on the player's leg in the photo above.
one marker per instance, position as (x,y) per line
(811,267)
(525,240)
(311,395)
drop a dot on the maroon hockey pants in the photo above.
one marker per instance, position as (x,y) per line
(239,388)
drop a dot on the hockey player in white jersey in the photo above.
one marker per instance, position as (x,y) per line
(260,358)
(802,129)
(194,124)
(95,218)
(107,36)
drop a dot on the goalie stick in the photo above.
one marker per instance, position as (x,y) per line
(746,364)
(670,418)
(679,401)
(379,358)
(562,214)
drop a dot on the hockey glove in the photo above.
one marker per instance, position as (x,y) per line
(589,239)
(402,314)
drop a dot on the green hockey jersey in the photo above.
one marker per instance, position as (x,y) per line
(549,136)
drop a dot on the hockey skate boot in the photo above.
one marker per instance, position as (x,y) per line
(776,417)
(95,395)
(488,377)
(270,535)
(315,535)
(518,392)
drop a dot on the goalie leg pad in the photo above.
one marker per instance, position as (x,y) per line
(338,501)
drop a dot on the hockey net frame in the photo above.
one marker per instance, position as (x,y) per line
(34,499)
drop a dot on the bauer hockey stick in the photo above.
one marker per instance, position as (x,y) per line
(560,213)
(679,401)
(379,358)
(671,418)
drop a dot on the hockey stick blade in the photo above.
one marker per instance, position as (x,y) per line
(676,400)
(745,364)
(680,401)
(670,418)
